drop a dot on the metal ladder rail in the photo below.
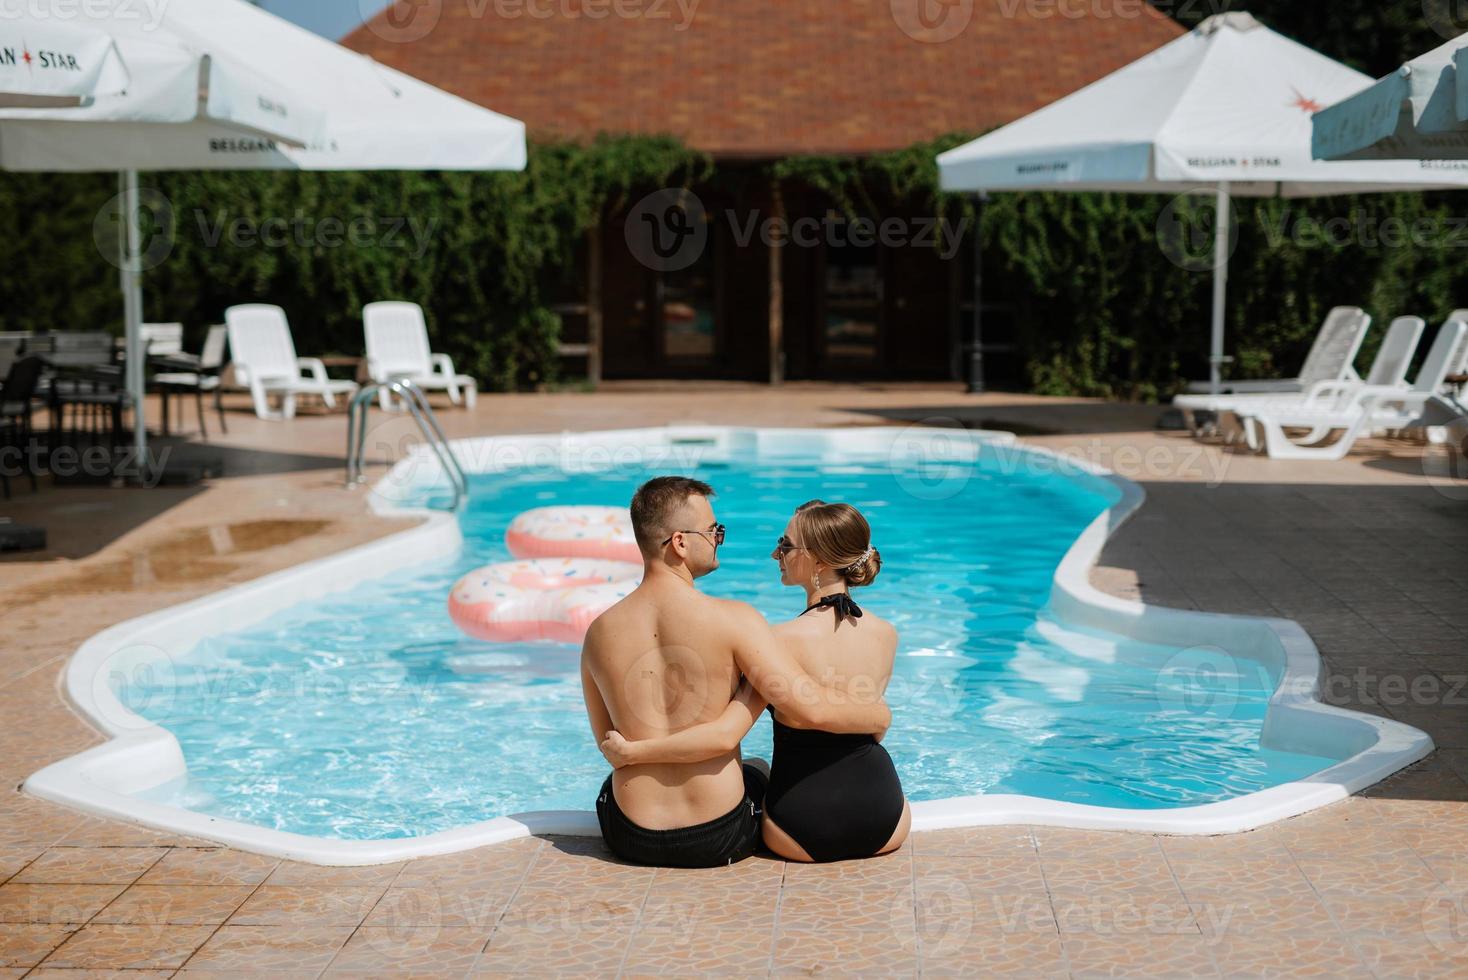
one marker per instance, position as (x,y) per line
(427,421)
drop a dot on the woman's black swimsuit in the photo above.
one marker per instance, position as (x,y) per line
(837,796)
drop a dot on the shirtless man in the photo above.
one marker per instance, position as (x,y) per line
(668,657)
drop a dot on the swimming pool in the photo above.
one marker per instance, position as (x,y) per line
(361,714)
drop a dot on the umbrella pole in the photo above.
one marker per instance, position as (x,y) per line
(1222,231)
(976,337)
(132,306)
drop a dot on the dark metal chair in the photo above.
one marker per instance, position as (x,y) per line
(17,396)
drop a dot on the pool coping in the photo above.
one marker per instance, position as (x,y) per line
(140,755)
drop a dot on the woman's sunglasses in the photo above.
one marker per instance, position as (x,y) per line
(784,546)
(717,531)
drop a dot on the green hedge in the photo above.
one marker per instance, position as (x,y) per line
(1100,308)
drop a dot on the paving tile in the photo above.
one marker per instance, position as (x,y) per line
(295,873)
(278,905)
(1244,880)
(838,952)
(1256,846)
(562,908)
(129,947)
(211,866)
(1407,958)
(175,904)
(887,869)
(100,974)
(90,865)
(26,945)
(876,908)
(1236,916)
(1091,955)
(270,949)
(1326,957)
(975,842)
(1059,843)
(14,857)
(682,910)
(1403,876)
(544,951)
(980,875)
(431,951)
(450,905)
(720,952)
(1147,879)
(54,903)
(1109,915)
(980,954)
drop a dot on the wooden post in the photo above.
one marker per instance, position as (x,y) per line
(593,305)
(777,285)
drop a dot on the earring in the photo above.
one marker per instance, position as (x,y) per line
(818,580)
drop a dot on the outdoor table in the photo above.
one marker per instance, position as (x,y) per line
(357,364)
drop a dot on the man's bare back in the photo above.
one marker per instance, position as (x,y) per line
(663,659)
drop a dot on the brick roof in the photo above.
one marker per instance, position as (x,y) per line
(762,78)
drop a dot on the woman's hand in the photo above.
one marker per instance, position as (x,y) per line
(618,750)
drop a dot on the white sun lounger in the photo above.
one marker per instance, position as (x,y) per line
(1388,370)
(1330,359)
(264,359)
(1366,410)
(397,347)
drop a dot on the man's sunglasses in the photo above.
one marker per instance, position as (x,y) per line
(717,531)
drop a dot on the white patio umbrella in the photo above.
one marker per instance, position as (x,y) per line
(1226,108)
(324,108)
(51,64)
(1419,111)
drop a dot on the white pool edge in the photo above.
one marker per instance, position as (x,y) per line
(140,755)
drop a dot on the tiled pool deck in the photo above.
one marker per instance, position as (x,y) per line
(1369,554)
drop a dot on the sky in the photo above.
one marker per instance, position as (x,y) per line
(329,18)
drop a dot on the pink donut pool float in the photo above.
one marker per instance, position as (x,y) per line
(552,599)
(574,532)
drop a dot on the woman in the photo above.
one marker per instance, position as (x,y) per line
(831,797)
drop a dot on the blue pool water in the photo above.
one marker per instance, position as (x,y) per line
(367,715)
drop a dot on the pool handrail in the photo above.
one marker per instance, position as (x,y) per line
(417,402)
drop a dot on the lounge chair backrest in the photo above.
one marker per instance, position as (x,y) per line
(260,341)
(1336,345)
(1395,356)
(162,338)
(397,338)
(21,380)
(212,356)
(1459,365)
(9,352)
(1439,359)
(81,349)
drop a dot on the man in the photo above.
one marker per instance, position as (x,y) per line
(668,657)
